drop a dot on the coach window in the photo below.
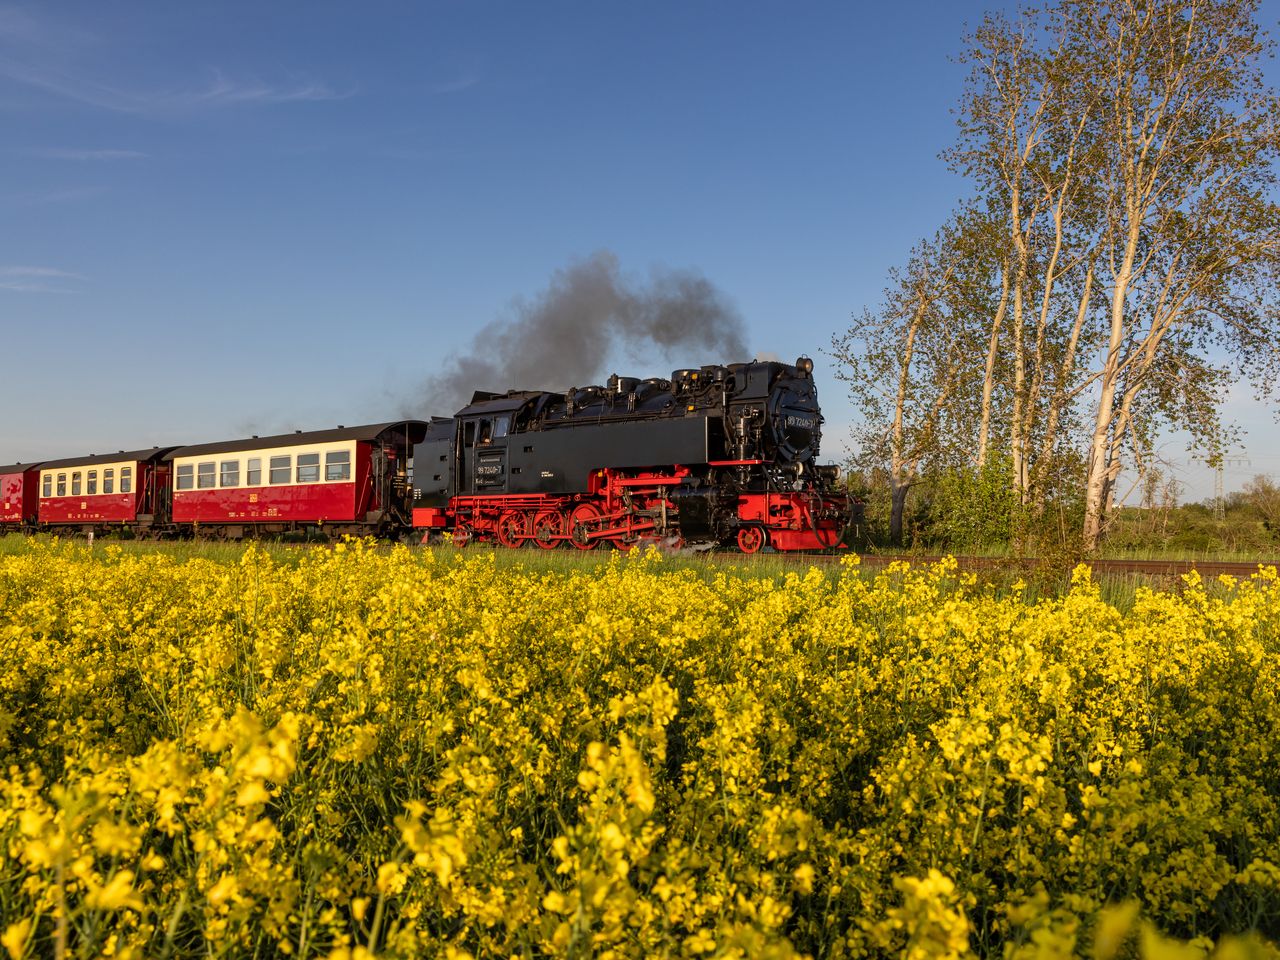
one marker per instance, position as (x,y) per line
(62,484)
(337,465)
(206,477)
(280,469)
(109,480)
(75,484)
(126,479)
(253,472)
(308,468)
(48,485)
(186,476)
(500,427)
(229,473)
(91,483)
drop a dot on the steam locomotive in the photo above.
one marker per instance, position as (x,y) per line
(716,455)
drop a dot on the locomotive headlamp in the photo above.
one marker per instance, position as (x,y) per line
(805,365)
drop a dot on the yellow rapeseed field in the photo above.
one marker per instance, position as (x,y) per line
(406,753)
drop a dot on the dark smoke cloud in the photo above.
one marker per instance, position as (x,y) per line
(564,337)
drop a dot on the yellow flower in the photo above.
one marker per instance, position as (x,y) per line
(14,938)
(117,894)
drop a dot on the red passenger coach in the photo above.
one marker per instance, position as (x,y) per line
(349,480)
(19,496)
(117,489)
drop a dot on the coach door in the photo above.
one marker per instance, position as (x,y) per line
(484,445)
(160,496)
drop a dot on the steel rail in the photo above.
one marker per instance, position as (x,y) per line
(1151,568)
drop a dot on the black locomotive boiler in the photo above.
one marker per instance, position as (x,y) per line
(719,454)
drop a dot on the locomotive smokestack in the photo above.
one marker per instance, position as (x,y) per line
(566,334)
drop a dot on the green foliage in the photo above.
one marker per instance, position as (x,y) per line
(966,510)
(972,509)
(962,510)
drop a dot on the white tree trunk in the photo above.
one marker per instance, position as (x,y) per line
(989,371)
(1098,471)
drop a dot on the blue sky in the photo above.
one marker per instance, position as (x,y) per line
(243,217)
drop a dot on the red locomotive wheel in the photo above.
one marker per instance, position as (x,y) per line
(752,539)
(512,528)
(579,523)
(548,527)
(461,536)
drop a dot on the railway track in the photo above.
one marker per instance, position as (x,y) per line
(1171,569)
(1154,569)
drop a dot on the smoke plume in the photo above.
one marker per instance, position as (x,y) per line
(564,337)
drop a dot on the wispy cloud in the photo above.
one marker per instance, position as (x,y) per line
(62,153)
(53,58)
(22,279)
(220,91)
(19,25)
(226,91)
(464,81)
(41,53)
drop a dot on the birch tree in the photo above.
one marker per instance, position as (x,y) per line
(1025,141)
(1123,274)
(909,366)
(1188,261)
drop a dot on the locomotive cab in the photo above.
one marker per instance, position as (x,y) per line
(482,441)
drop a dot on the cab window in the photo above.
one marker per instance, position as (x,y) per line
(501,426)
(469,433)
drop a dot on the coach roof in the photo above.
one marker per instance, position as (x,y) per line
(416,430)
(124,456)
(19,468)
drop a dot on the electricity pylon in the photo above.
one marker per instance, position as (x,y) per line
(1219,482)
